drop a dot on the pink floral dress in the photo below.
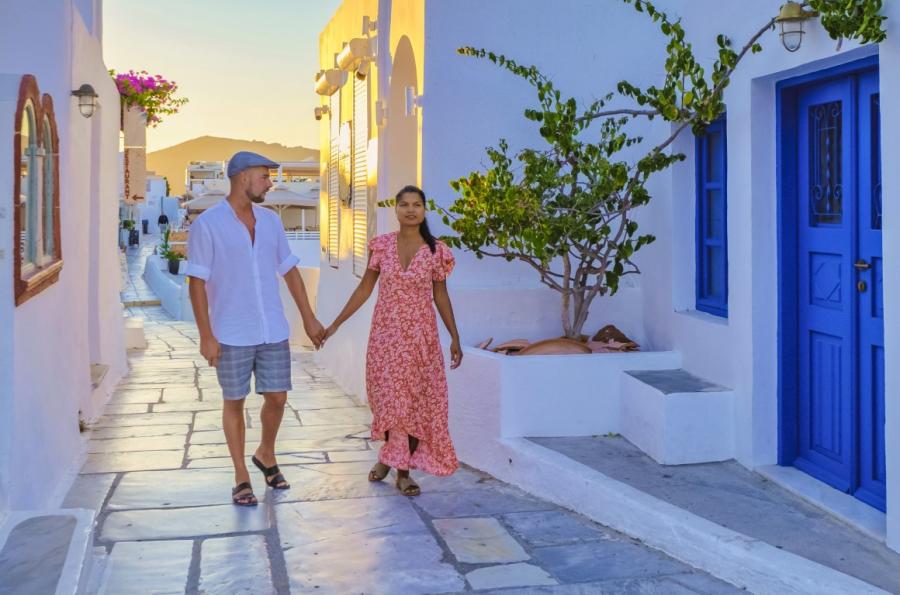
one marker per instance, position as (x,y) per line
(405,379)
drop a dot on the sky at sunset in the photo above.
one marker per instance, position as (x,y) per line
(248,73)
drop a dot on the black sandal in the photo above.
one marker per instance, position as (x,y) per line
(247,499)
(272,475)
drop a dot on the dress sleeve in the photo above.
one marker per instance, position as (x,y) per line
(200,251)
(375,253)
(443,262)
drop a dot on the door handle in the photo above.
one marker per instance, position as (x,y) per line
(862,265)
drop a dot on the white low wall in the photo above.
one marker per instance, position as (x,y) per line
(307,251)
(172,290)
(543,395)
(311,281)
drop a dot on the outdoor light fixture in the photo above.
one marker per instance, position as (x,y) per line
(368,25)
(322,110)
(87,100)
(356,52)
(791,17)
(363,71)
(329,81)
(412,101)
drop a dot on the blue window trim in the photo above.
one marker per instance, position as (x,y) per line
(717,306)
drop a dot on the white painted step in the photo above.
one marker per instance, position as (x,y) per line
(48,551)
(677,418)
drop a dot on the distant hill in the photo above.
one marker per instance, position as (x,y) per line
(172,161)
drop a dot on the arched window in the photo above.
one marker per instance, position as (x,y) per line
(28,188)
(49,173)
(38,260)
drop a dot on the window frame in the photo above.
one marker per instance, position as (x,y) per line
(31,279)
(716,306)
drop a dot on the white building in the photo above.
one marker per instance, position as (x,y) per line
(203,176)
(782,321)
(156,203)
(61,338)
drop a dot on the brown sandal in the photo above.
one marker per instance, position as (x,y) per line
(375,476)
(245,499)
(410,488)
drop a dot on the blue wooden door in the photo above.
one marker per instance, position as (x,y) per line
(840,341)
(870,271)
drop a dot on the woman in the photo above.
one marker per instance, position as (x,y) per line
(405,379)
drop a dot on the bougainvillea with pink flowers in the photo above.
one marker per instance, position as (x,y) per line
(153,94)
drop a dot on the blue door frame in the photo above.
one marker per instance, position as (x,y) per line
(849,452)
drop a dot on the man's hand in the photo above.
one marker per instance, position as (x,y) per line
(210,350)
(315,331)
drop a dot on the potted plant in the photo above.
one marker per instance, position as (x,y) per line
(134,238)
(174,259)
(152,94)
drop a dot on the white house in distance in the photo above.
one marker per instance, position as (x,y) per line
(781,301)
(61,333)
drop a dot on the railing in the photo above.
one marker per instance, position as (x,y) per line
(302,235)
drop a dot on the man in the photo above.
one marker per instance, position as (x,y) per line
(163,222)
(236,250)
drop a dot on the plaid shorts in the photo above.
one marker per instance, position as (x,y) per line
(270,363)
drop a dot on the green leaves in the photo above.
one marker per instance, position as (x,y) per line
(859,20)
(567,208)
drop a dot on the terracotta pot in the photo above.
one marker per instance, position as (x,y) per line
(514,345)
(556,347)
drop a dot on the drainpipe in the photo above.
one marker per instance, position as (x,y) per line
(384,63)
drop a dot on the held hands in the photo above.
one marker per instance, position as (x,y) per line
(456,354)
(331,330)
(210,350)
(315,331)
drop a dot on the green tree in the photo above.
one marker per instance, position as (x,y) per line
(567,207)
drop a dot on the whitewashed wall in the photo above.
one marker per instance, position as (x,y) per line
(53,338)
(586,48)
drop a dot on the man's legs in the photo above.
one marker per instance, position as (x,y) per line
(270,417)
(235,436)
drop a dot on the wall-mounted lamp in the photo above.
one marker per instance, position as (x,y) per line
(329,81)
(363,71)
(413,101)
(87,100)
(320,111)
(357,51)
(791,17)
(368,25)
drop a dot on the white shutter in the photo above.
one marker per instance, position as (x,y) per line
(360,175)
(334,203)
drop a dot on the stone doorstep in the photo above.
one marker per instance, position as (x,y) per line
(78,569)
(675,417)
(726,554)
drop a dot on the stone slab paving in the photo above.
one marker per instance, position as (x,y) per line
(161,478)
(735,497)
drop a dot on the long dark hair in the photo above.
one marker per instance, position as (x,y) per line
(424,231)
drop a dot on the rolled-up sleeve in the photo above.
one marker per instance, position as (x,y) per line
(285,258)
(200,251)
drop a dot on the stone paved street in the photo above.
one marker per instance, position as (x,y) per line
(159,473)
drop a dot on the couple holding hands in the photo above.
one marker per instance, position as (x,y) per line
(237,250)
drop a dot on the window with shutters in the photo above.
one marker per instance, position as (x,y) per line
(334,202)
(360,194)
(712,240)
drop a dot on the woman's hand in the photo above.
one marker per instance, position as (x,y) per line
(456,354)
(330,331)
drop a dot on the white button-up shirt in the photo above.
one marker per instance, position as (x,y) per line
(241,276)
